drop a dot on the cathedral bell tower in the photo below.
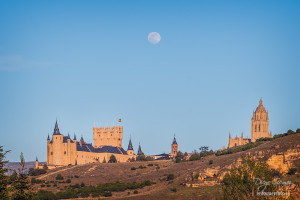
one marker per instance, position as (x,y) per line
(260,123)
(174,147)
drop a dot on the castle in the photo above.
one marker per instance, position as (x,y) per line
(62,150)
(259,128)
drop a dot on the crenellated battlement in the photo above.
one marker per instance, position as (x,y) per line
(108,136)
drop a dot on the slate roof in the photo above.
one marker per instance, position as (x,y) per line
(105,149)
(130,147)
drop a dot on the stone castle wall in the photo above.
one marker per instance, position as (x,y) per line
(108,136)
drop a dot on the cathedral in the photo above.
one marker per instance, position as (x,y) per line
(259,127)
(63,151)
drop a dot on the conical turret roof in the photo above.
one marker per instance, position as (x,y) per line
(56,129)
(130,147)
(174,140)
(140,150)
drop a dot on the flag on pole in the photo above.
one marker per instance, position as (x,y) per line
(120,120)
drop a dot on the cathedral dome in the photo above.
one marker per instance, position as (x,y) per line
(260,107)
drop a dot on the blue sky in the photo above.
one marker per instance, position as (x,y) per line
(89,62)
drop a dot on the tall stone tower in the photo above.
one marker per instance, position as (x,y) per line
(260,123)
(174,147)
(108,136)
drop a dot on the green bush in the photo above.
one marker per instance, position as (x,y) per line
(133,168)
(68,194)
(292,171)
(44,195)
(150,164)
(158,167)
(59,177)
(76,176)
(298,130)
(174,189)
(170,177)
(210,162)
(112,159)
(264,139)
(142,167)
(135,192)
(36,172)
(68,181)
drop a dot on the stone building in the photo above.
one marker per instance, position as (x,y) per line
(259,128)
(62,150)
(260,123)
(174,148)
(237,141)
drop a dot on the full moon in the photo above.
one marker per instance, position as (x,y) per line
(154,37)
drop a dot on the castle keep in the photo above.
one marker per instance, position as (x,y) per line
(62,150)
(259,128)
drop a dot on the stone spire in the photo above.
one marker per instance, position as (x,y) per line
(229,136)
(140,150)
(81,139)
(48,138)
(242,136)
(130,147)
(56,129)
(36,158)
(69,136)
(74,136)
(174,140)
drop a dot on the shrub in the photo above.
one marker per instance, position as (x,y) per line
(36,172)
(135,192)
(292,171)
(44,195)
(112,159)
(264,139)
(76,176)
(43,185)
(33,180)
(170,177)
(150,164)
(174,189)
(59,177)
(142,167)
(196,176)
(133,168)
(68,181)
(82,184)
(210,162)
(158,167)
(298,130)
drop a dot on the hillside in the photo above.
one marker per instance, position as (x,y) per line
(206,186)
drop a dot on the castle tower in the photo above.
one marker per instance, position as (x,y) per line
(108,136)
(260,123)
(140,150)
(57,146)
(174,149)
(36,163)
(130,148)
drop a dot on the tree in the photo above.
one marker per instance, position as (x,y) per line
(3,177)
(298,130)
(13,177)
(243,182)
(179,157)
(112,159)
(20,185)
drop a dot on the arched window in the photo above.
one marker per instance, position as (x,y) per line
(255,128)
(258,128)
